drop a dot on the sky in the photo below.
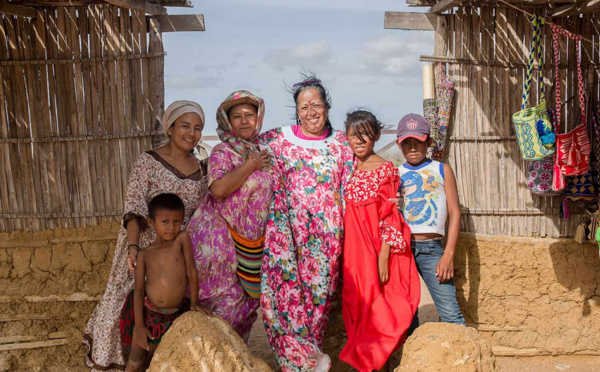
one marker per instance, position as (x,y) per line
(264,45)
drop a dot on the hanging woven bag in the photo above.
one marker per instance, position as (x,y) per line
(540,174)
(573,148)
(532,127)
(584,187)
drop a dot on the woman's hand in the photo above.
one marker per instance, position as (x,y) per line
(261,159)
(132,258)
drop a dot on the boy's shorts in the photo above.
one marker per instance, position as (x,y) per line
(157,320)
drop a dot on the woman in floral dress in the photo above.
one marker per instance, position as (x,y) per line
(168,169)
(240,183)
(301,261)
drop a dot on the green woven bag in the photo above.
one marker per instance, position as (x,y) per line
(534,131)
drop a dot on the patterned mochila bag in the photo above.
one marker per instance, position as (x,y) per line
(573,148)
(533,129)
(541,172)
(584,187)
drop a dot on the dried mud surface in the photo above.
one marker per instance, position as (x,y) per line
(541,295)
(446,347)
(196,342)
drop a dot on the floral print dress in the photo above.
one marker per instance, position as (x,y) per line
(246,211)
(151,175)
(301,262)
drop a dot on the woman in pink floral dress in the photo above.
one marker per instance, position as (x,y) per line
(241,187)
(301,261)
(168,169)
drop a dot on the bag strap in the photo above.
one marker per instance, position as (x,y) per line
(442,71)
(536,46)
(577,38)
(596,137)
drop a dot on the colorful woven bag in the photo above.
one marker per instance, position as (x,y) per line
(249,255)
(445,95)
(540,176)
(584,187)
(573,148)
(581,188)
(533,129)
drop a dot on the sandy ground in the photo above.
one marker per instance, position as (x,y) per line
(259,346)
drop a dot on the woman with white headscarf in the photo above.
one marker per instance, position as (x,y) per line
(171,168)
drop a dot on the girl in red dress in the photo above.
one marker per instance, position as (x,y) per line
(381,289)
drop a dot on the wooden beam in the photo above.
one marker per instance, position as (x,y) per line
(411,21)
(15,339)
(443,5)
(18,10)
(140,5)
(179,23)
(177,3)
(580,8)
(423,3)
(33,345)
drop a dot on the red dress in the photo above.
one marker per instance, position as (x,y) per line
(376,316)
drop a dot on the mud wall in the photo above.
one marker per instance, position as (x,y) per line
(530,296)
(525,296)
(51,281)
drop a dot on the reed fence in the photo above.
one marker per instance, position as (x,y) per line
(82,88)
(486,51)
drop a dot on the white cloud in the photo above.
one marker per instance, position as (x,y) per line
(395,54)
(307,56)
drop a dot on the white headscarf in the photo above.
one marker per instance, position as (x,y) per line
(178,108)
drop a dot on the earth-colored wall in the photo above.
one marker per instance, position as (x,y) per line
(533,295)
(530,295)
(51,281)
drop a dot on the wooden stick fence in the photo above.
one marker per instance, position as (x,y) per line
(81,87)
(492,177)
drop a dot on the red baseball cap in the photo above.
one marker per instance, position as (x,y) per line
(412,126)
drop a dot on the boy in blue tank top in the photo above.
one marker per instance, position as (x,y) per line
(428,196)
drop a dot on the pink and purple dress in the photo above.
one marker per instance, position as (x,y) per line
(301,261)
(245,211)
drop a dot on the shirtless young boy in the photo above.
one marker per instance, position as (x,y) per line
(162,274)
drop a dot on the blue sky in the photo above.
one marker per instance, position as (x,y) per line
(261,45)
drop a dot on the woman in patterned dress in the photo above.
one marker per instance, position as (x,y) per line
(240,185)
(301,261)
(168,169)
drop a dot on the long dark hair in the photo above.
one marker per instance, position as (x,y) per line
(363,122)
(310,81)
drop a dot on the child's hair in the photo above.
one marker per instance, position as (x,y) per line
(170,202)
(363,122)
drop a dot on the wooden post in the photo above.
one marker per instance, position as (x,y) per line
(440,46)
(156,77)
